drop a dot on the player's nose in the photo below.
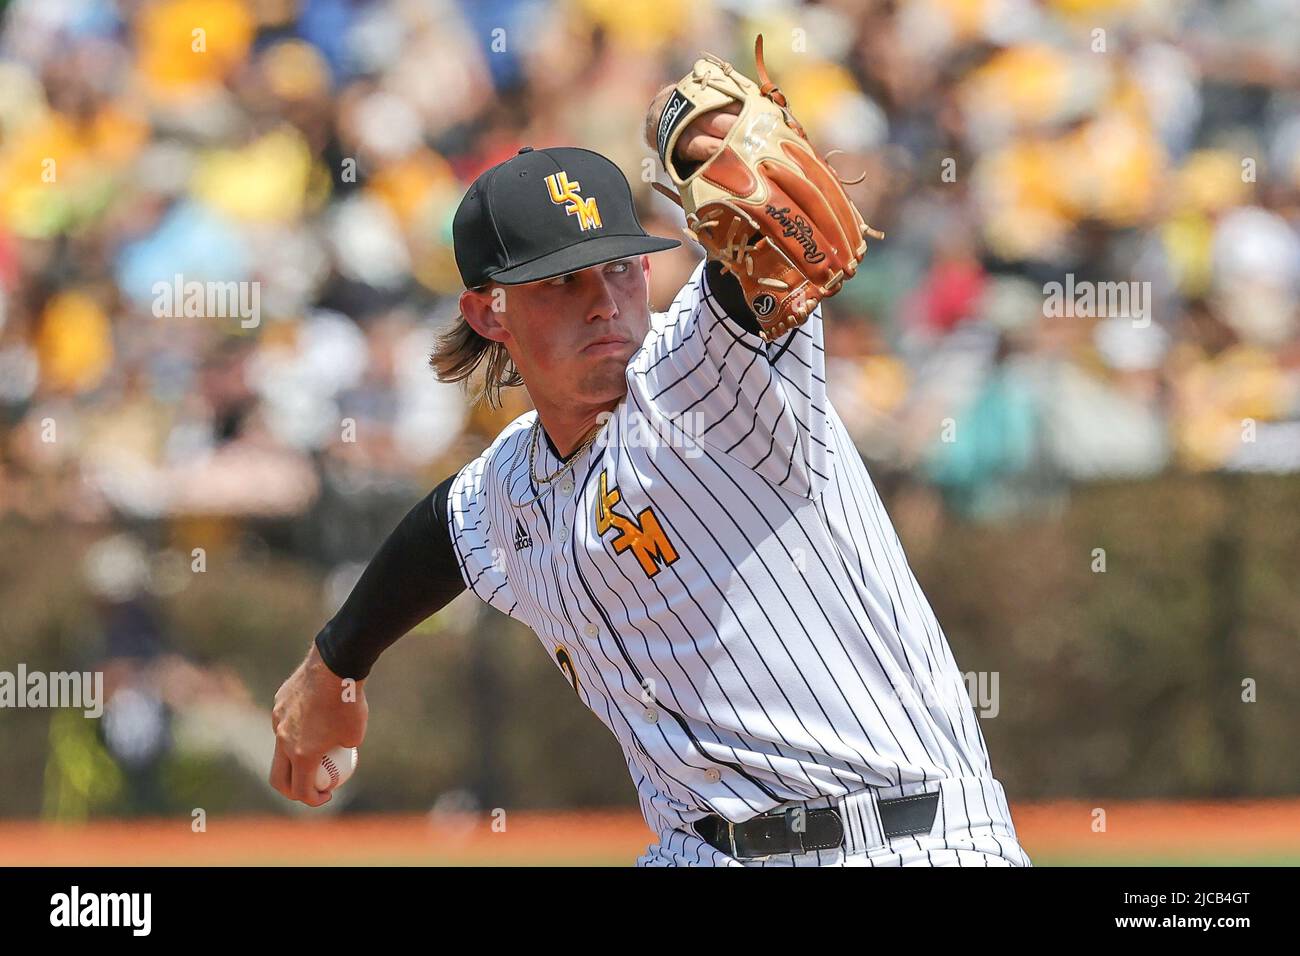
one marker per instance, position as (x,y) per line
(598,295)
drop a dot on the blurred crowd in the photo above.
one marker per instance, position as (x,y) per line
(1091,271)
(316,150)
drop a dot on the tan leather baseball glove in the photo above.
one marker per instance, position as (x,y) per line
(764,204)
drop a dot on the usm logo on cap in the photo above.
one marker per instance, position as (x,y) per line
(564,193)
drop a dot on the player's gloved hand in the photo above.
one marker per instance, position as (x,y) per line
(757,196)
(314,711)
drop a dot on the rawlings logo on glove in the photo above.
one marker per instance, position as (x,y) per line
(764,204)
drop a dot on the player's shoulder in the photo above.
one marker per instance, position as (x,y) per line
(661,324)
(666,327)
(503,453)
(515,430)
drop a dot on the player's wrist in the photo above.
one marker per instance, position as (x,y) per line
(727,292)
(325,670)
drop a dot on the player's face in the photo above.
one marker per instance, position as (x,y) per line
(575,333)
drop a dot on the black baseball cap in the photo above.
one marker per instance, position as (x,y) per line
(545,212)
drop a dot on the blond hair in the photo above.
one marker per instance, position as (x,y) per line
(460,351)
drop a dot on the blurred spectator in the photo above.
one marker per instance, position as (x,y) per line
(309,156)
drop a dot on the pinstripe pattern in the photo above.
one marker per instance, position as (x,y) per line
(786,653)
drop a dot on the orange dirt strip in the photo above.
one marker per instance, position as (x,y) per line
(1064,828)
(1159,828)
(391,839)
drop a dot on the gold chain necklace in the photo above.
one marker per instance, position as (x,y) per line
(550,479)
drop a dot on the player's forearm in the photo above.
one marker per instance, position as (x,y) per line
(413,575)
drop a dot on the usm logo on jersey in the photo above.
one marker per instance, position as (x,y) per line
(565,193)
(644,536)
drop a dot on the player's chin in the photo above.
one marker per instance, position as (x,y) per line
(605,378)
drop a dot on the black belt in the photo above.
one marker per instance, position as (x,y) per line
(799,830)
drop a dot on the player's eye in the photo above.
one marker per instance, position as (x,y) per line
(622,266)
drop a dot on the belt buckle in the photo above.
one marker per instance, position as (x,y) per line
(735,851)
(731,839)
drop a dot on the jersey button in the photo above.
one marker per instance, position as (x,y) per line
(651,715)
(562,534)
(591,630)
(566,488)
(712,775)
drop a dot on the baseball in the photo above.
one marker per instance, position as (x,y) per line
(335,767)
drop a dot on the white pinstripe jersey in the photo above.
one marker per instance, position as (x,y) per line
(736,607)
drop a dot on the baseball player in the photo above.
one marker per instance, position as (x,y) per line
(683,520)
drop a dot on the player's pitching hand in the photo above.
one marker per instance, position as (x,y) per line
(702,138)
(314,711)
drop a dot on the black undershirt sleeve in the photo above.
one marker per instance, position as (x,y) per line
(413,575)
(730,296)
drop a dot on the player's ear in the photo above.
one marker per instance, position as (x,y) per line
(645,273)
(484,309)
